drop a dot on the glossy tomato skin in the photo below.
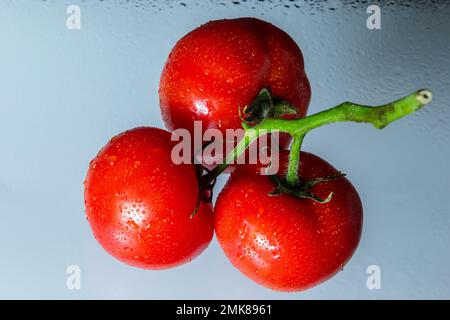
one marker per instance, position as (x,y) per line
(221,66)
(138,202)
(282,242)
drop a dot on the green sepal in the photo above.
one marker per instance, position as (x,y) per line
(303,190)
(267,106)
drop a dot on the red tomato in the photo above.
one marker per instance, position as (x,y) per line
(221,66)
(284,242)
(139,203)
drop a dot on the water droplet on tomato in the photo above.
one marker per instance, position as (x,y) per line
(260,211)
(243,231)
(112,159)
(276,254)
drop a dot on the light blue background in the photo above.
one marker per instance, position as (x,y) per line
(64,93)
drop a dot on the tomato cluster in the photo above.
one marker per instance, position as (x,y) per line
(139,203)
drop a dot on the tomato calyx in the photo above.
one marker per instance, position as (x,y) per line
(265,105)
(303,188)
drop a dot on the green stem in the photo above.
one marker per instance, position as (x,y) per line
(294,159)
(379,117)
(250,135)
